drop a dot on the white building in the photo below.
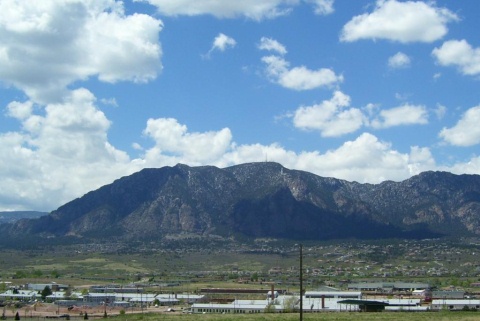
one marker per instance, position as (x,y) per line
(453,304)
(236,307)
(313,301)
(334,294)
(22,295)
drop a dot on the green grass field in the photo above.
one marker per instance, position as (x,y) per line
(337,316)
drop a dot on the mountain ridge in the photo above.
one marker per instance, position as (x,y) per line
(264,200)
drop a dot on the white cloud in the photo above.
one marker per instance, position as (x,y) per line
(365,159)
(331,117)
(407,21)
(420,160)
(459,53)
(221,43)
(403,115)
(109,101)
(47,45)
(252,9)
(298,78)
(335,117)
(472,166)
(137,146)
(272,45)
(20,110)
(467,130)
(399,60)
(440,111)
(173,139)
(59,155)
(322,7)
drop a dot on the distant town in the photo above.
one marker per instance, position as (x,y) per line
(413,275)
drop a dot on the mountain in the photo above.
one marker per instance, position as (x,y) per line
(264,200)
(13,216)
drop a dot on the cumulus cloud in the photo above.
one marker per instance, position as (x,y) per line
(47,45)
(221,43)
(467,130)
(174,140)
(402,115)
(322,7)
(335,117)
(252,9)
(37,163)
(399,60)
(20,110)
(461,54)
(408,21)
(298,78)
(471,166)
(272,45)
(331,117)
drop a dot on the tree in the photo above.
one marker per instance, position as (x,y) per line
(270,308)
(46,292)
(37,273)
(289,304)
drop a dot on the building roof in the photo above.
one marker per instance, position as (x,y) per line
(455,302)
(364,302)
(337,293)
(389,285)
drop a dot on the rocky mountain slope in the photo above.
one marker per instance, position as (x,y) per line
(264,200)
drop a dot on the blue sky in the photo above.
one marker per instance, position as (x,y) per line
(365,90)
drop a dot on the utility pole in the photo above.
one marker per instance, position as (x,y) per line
(301,282)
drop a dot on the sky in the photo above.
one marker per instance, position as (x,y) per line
(364,90)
